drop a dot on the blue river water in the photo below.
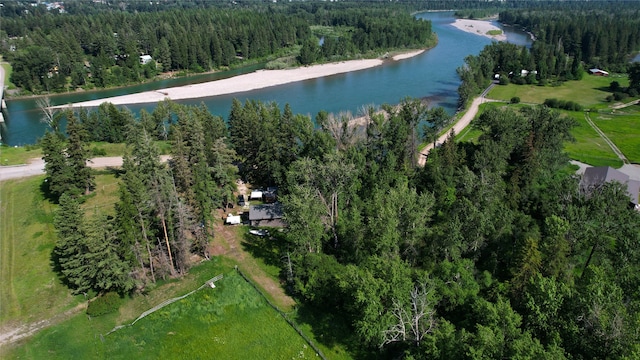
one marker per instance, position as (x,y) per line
(431,75)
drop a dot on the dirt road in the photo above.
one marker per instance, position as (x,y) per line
(464,121)
(36,167)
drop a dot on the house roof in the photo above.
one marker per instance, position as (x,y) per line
(633,187)
(265,212)
(596,70)
(595,176)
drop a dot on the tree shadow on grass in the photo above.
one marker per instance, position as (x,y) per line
(331,328)
(271,249)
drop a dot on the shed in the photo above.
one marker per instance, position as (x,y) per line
(233,219)
(145,59)
(256,195)
(598,72)
(266,215)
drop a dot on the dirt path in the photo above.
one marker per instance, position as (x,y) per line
(36,166)
(11,334)
(464,121)
(606,139)
(228,243)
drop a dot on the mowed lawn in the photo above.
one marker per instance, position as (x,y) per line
(29,290)
(623,130)
(232,321)
(589,147)
(586,92)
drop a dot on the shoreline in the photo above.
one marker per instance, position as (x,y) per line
(242,83)
(479,27)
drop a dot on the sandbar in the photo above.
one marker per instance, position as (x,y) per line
(480,27)
(241,83)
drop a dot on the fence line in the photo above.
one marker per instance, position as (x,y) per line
(209,283)
(284,316)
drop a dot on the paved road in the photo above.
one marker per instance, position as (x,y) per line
(36,167)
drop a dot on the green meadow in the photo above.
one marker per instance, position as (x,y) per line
(589,91)
(230,321)
(589,147)
(29,290)
(623,130)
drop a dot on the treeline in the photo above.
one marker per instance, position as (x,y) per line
(164,211)
(55,52)
(602,35)
(542,65)
(488,251)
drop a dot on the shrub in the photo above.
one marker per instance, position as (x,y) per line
(515,100)
(552,103)
(614,86)
(633,92)
(609,98)
(504,80)
(105,304)
(563,104)
(518,80)
(96,151)
(620,96)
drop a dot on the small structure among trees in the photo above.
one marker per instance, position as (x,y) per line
(598,72)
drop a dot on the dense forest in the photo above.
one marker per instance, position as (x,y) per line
(570,37)
(57,52)
(164,212)
(602,38)
(491,250)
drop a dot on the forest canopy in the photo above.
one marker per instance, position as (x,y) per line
(56,52)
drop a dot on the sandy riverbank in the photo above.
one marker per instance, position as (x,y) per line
(241,83)
(480,27)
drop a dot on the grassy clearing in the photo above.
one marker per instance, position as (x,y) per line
(589,91)
(589,147)
(7,75)
(494,32)
(29,290)
(623,130)
(103,199)
(18,155)
(231,321)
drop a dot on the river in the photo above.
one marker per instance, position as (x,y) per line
(431,75)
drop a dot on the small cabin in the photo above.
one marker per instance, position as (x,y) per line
(266,215)
(598,72)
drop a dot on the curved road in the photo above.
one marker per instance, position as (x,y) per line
(464,121)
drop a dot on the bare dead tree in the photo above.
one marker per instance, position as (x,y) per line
(413,322)
(50,116)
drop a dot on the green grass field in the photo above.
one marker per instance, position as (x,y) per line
(588,91)
(589,147)
(7,75)
(623,130)
(29,289)
(18,155)
(232,321)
